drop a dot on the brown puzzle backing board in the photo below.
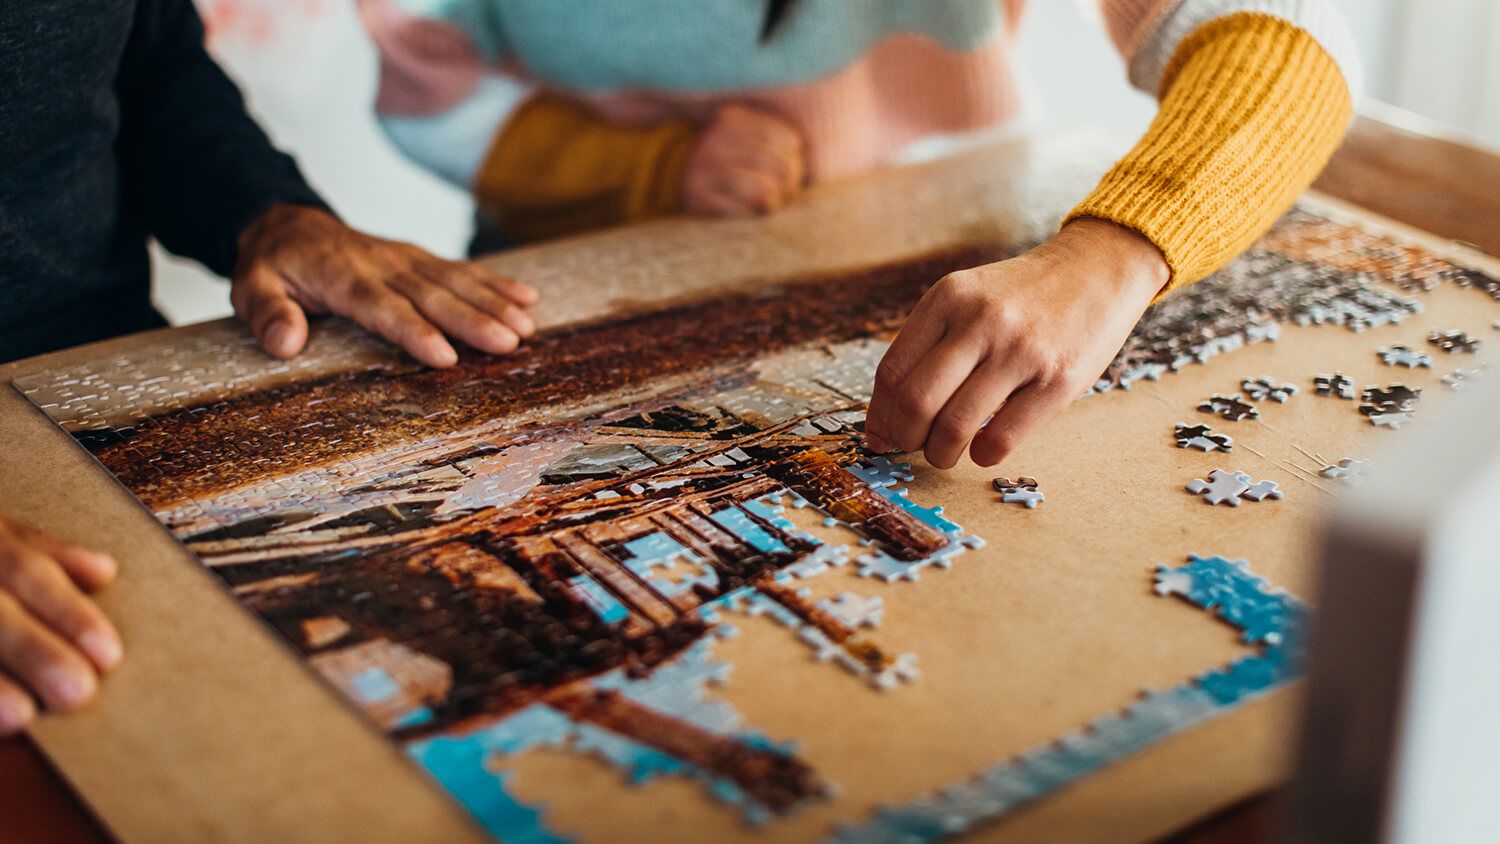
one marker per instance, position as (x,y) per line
(1049,626)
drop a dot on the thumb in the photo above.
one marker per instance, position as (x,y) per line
(260,299)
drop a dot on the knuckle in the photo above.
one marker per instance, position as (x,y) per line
(888,375)
(948,428)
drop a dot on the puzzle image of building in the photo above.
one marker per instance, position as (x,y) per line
(542,550)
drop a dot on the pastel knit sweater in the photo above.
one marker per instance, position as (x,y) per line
(562,116)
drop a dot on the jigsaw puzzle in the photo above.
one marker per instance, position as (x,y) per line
(1232,408)
(1453,342)
(1402,355)
(1336,385)
(1201,437)
(1021,491)
(1389,407)
(547,550)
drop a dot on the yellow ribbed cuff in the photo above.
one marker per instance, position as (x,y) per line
(1251,109)
(558,168)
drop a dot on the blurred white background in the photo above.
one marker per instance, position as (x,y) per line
(309,74)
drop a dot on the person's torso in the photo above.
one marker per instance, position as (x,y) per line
(65,244)
(862,80)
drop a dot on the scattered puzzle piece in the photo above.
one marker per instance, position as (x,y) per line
(1202,438)
(1223,487)
(1460,378)
(1402,355)
(1020,491)
(1389,407)
(1453,341)
(1232,408)
(1347,470)
(1334,385)
(1265,387)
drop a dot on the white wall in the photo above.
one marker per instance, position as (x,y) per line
(309,72)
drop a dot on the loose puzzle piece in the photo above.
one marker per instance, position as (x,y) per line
(1453,341)
(1020,491)
(1460,378)
(1400,355)
(1201,437)
(1223,487)
(1347,470)
(1232,408)
(1334,385)
(1266,387)
(1389,407)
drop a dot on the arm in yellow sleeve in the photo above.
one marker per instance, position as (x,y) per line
(556,168)
(1251,109)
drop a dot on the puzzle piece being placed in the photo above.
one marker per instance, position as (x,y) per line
(1402,355)
(1021,491)
(1334,385)
(1201,437)
(1232,408)
(1265,387)
(1348,471)
(1453,341)
(1223,487)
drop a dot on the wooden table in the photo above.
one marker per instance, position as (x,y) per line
(1391,163)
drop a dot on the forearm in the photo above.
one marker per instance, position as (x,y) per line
(195,162)
(1251,109)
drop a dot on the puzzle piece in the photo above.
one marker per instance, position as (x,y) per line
(1347,470)
(1223,487)
(1334,385)
(1402,355)
(1202,438)
(1460,378)
(855,610)
(1265,387)
(1020,491)
(1389,407)
(1453,341)
(1232,408)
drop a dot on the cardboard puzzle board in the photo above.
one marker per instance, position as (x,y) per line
(640,583)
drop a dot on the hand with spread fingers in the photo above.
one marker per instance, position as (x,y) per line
(746,161)
(990,353)
(55,643)
(297,260)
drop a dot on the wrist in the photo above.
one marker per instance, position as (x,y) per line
(276,222)
(1121,257)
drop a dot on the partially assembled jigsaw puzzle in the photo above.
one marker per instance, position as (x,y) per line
(548,550)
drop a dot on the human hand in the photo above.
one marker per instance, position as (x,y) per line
(1019,339)
(55,643)
(747,161)
(296,260)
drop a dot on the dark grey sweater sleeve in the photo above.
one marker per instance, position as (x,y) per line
(196,165)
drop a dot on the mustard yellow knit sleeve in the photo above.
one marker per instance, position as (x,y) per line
(1251,108)
(558,168)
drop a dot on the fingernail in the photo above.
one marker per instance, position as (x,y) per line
(69,688)
(16,712)
(875,443)
(103,648)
